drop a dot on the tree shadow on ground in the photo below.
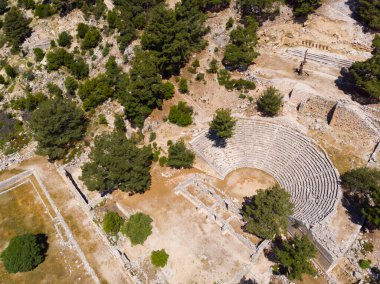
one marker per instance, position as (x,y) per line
(269,252)
(344,83)
(247,281)
(349,203)
(353,5)
(217,141)
(42,239)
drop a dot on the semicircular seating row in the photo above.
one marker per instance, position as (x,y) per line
(291,158)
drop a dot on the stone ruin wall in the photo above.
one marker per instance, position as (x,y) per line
(317,107)
(351,124)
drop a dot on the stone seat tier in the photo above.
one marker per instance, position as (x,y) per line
(294,160)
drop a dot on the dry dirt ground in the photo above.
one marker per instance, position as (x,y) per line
(106,266)
(22,211)
(198,251)
(245,182)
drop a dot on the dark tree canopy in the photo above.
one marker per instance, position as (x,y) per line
(44,10)
(38,54)
(239,53)
(364,185)
(59,57)
(91,38)
(24,253)
(64,39)
(217,5)
(223,124)
(303,8)
(145,90)
(29,102)
(95,91)
(172,35)
(128,16)
(369,13)
(179,156)
(57,124)
(266,214)
(3,6)
(16,28)
(82,30)
(117,163)
(181,114)
(26,4)
(366,74)
(258,8)
(71,85)
(270,102)
(295,255)
(10,71)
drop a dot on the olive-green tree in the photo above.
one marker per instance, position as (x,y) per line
(112,223)
(16,28)
(138,228)
(366,75)
(117,163)
(369,13)
(266,214)
(3,6)
(57,124)
(24,253)
(179,156)
(181,114)
(223,124)
(363,185)
(302,8)
(64,39)
(159,258)
(295,256)
(270,102)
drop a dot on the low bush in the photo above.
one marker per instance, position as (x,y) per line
(270,102)
(364,263)
(159,258)
(138,228)
(38,54)
(179,156)
(181,114)
(112,223)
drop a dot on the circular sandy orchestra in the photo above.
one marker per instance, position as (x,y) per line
(294,160)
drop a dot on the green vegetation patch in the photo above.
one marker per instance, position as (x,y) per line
(181,114)
(266,214)
(179,156)
(159,258)
(364,188)
(112,223)
(117,163)
(270,102)
(24,252)
(223,124)
(294,256)
(138,228)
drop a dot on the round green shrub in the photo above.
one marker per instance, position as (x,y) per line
(138,228)
(364,263)
(24,253)
(159,258)
(112,223)
(270,102)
